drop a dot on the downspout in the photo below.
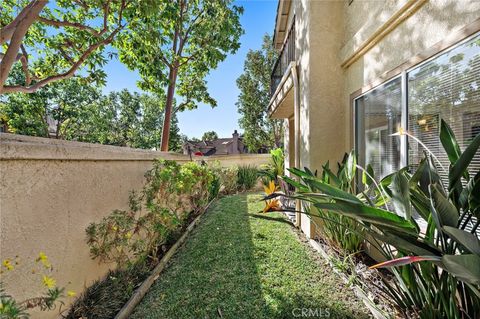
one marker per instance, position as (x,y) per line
(296,116)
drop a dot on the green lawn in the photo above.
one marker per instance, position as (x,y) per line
(242,264)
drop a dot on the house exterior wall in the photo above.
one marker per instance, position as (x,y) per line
(330,33)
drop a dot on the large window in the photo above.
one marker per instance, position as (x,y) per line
(446,87)
(378,116)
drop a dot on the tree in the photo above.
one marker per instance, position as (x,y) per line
(48,111)
(254,85)
(72,110)
(53,43)
(124,119)
(175,48)
(209,136)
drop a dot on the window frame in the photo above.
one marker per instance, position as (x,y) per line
(402,72)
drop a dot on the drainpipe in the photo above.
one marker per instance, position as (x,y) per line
(296,117)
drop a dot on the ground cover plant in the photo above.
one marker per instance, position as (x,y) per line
(241,263)
(435,271)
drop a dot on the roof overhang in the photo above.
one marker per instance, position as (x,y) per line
(281,23)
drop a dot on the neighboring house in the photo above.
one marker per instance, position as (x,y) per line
(351,73)
(220,146)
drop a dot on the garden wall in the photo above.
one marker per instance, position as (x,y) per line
(50,190)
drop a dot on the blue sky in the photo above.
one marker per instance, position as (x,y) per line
(258,18)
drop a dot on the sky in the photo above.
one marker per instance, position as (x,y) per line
(258,18)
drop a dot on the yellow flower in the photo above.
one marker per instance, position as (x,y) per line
(271,205)
(43,259)
(8,264)
(49,282)
(115,228)
(71,293)
(271,188)
(128,235)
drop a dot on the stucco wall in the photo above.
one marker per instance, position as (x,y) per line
(330,32)
(51,190)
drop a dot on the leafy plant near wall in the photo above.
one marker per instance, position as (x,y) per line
(342,231)
(171,194)
(228,177)
(247,177)
(436,273)
(51,297)
(275,167)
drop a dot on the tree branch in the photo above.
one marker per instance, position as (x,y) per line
(7,31)
(65,75)
(58,23)
(20,29)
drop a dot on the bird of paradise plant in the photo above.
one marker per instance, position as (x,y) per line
(271,204)
(436,271)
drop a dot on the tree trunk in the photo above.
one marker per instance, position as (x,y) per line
(172,79)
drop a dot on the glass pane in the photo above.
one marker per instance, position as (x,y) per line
(378,115)
(446,87)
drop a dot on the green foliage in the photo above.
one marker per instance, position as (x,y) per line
(52,50)
(442,277)
(77,111)
(124,119)
(227,176)
(209,136)
(56,105)
(176,46)
(247,177)
(171,194)
(9,308)
(52,295)
(275,168)
(254,85)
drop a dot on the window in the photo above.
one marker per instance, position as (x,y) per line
(378,116)
(446,87)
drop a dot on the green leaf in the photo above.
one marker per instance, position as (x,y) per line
(442,209)
(401,195)
(461,165)
(464,238)
(464,267)
(408,244)
(376,216)
(317,185)
(449,142)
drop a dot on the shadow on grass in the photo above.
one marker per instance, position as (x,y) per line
(238,264)
(214,275)
(273,219)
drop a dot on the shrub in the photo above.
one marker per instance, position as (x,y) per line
(171,193)
(227,176)
(247,177)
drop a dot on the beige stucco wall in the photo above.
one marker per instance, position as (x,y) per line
(51,190)
(329,32)
(433,22)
